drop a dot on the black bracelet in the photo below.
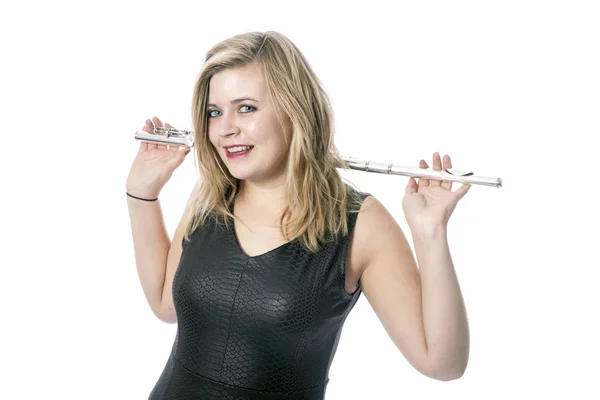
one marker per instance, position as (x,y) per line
(139,198)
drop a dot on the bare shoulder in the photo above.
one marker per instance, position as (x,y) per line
(373,222)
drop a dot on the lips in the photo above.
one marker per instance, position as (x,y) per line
(238,147)
(240,151)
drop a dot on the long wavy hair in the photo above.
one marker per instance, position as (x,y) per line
(318,199)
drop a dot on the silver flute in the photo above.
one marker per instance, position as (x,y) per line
(171,136)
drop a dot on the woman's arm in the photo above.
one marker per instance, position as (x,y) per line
(421,308)
(156,256)
(151,245)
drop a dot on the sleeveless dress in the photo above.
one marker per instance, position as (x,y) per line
(263,327)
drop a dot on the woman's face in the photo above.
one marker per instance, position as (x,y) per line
(241,113)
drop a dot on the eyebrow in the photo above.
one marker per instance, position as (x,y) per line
(234,101)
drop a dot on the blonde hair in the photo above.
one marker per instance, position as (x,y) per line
(317,197)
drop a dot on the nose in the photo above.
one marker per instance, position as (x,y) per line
(228,125)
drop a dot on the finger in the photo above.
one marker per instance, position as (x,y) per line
(437,166)
(157,122)
(143,147)
(463,190)
(423,182)
(177,160)
(149,127)
(412,186)
(447,164)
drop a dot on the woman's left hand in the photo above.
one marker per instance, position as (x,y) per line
(430,202)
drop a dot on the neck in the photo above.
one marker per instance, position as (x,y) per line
(263,193)
(269,195)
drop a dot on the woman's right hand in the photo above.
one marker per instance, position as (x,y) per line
(153,165)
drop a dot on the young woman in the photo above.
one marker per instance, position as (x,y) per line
(274,248)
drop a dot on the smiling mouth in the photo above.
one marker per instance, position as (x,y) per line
(238,149)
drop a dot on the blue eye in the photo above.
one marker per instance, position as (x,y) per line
(216,113)
(253,108)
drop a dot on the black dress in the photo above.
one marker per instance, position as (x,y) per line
(264,327)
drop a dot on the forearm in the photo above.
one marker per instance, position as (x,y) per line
(444,315)
(151,245)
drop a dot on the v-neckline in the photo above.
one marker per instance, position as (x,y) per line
(246,255)
(239,247)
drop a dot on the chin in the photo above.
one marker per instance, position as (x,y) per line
(241,177)
(240,173)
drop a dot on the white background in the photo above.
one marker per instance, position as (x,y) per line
(509,89)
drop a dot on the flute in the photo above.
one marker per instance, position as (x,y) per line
(170,136)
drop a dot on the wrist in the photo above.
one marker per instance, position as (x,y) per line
(142,191)
(430,231)
(141,197)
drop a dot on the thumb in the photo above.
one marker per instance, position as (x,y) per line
(461,191)
(412,186)
(184,151)
(180,157)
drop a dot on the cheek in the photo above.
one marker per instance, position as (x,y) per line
(212,134)
(253,129)
(264,133)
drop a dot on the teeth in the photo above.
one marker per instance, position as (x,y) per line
(238,149)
